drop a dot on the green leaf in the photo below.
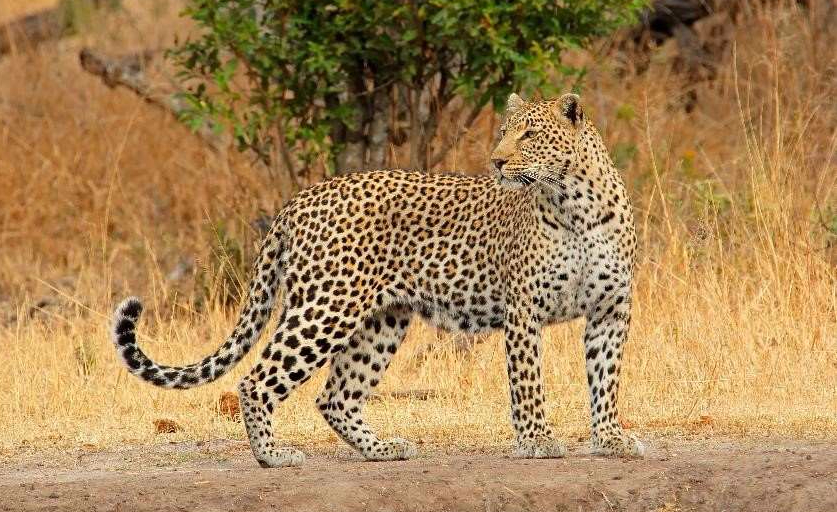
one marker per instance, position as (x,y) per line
(310,67)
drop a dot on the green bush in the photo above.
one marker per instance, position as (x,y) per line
(305,83)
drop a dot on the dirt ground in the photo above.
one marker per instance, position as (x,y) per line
(712,475)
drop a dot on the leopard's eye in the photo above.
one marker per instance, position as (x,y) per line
(528,134)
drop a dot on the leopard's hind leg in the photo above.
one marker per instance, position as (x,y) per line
(354,374)
(305,340)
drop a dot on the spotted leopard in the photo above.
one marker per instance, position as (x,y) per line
(547,238)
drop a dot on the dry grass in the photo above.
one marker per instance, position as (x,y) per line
(735,330)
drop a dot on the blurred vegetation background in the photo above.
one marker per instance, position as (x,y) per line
(122,174)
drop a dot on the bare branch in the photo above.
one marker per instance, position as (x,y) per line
(128,71)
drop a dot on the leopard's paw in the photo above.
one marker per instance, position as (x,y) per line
(540,447)
(392,449)
(618,444)
(280,458)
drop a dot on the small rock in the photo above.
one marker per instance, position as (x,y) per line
(165,426)
(229,407)
(705,419)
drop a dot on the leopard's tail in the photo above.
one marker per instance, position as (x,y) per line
(254,315)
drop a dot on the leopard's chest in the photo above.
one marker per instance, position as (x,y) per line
(556,282)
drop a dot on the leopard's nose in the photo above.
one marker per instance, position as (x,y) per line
(498,163)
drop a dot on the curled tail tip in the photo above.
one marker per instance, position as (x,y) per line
(131,308)
(124,321)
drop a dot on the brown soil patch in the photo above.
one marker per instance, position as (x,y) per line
(221,476)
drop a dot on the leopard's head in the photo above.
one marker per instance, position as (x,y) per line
(539,141)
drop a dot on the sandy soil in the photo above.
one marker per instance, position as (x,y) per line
(707,475)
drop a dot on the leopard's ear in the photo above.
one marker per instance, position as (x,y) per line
(568,108)
(514,103)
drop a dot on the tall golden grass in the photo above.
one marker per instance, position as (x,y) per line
(735,327)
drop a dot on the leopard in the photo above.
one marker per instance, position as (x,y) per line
(546,236)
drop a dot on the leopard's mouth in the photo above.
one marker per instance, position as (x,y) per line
(518,178)
(516,182)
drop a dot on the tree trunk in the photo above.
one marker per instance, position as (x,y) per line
(351,158)
(415,129)
(379,130)
(419,116)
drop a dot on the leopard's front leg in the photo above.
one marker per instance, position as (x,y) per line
(604,337)
(523,357)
